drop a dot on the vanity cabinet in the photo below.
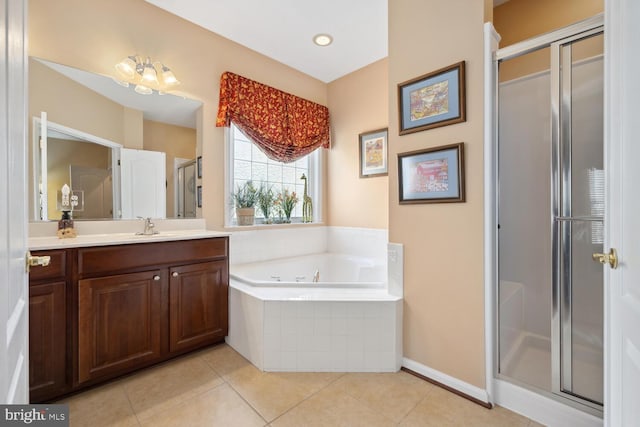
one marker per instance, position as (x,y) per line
(119,322)
(197,305)
(48,327)
(123,307)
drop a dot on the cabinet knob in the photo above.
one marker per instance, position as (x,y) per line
(156,277)
(174,274)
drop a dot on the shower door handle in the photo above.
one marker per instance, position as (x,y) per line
(611,258)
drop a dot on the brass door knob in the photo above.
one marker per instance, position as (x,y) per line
(611,258)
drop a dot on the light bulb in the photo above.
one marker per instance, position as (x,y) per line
(149,73)
(168,78)
(323,39)
(127,67)
(120,82)
(143,90)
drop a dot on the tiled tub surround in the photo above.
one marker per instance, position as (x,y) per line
(349,324)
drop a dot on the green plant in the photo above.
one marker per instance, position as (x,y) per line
(265,200)
(286,202)
(245,195)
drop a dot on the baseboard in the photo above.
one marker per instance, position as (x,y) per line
(459,387)
(540,408)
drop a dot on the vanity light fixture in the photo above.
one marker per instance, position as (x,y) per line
(146,75)
(322,39)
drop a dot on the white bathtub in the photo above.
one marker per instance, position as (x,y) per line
(281,320)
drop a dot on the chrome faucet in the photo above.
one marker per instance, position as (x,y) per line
(148,227)
(316,276)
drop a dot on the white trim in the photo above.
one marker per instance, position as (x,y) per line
(534,43)
(620,126)
(79,134)
(491,40)
(448,380)
(541,409)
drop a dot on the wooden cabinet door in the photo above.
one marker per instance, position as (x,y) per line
(47,340)
(120,322)
(198,304)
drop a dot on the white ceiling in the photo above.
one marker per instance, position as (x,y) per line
(283,30)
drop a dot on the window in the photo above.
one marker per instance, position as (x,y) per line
(247,162)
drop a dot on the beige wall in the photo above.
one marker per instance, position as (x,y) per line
(443,243)
(96,35)
(358,103)
(50,91)
(518,20)
(176,142)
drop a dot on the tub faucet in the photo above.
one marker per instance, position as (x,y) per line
(148,228)
(316,276)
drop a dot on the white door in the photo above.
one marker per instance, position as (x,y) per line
(622,145)
(144,184)
(14,296)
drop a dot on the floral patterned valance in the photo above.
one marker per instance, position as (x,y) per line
(286,127)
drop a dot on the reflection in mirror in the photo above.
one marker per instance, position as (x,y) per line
(84,162)
(95,106)
(186,189)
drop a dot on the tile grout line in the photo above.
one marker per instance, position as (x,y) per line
(227,382)
(247,402)
(415,406)
(135,414)
(342,374)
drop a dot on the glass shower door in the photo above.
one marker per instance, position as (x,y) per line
(550,216)
(578,215)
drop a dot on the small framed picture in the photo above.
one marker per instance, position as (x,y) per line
(432,100)
(434,175)
(199,195)
(199,166)
(374,149)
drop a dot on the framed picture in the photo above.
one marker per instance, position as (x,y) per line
(434,175)
(432,100)
(199,195)
(373,153)
(199,166)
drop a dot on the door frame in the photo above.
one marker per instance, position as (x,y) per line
(622,131)
(540,407)
(14,291)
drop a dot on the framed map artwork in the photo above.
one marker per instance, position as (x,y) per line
(373,153)
(432,100)
(433,175)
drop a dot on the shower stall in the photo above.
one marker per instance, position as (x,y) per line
(550,216)
(186,190)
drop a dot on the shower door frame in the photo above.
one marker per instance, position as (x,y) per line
(583,29)
(562,216)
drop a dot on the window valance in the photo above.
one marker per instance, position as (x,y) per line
(286,127)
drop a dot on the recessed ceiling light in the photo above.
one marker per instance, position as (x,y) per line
(322,39)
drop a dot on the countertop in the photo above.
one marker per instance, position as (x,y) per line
(53,242)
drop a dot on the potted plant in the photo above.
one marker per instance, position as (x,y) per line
(245,198)
(265,200)
(285,202)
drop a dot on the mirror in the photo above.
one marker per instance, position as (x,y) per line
(91,120)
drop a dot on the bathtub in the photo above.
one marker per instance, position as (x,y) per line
(282,320)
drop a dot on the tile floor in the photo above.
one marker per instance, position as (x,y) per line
(218,387)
